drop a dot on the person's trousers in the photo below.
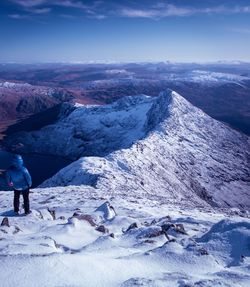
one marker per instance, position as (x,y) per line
(26,203)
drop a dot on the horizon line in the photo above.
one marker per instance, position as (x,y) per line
(124,62)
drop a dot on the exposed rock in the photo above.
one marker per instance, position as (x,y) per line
(169,241)
(150,232)
(132,226)
(45,214)
(17,229)
(165,227)
(77,213)
(102,228)
(202,251)
(112,235)
(62,217)
(53,213)
(150,241)
(86,217)
(180,228)
(106,210)
(161,220)
(5,222)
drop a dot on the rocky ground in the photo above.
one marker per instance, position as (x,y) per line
(78,237)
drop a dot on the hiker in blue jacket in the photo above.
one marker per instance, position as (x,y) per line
(19,179)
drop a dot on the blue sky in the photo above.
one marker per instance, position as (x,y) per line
(75,30)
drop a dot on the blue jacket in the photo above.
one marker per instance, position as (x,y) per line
(18,175)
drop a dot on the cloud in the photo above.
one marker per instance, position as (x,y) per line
(162,10)
(101,9)
(45,6)
(61,3)
(29,3)
(69,4)
(166,11)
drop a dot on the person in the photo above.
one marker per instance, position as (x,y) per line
(18,178)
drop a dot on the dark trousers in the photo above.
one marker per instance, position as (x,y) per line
(26,202)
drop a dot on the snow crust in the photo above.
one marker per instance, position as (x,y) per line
(67,251)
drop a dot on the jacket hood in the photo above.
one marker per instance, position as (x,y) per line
(17,161)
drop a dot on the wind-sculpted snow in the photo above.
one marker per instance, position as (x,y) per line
(186,157)
(74,237)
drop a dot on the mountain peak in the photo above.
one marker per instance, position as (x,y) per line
(182,155)
(97,130)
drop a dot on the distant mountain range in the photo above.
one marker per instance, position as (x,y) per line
(220,89)
(157,191)
(20,100)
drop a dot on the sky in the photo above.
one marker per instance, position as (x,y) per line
(124,31)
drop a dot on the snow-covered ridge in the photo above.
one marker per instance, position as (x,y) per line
(162,224)
(14,85)
(183,155)
(161,146)
(96,130)
(27,89)
(207,77)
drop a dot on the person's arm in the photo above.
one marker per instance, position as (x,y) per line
(27,177)
(9,179)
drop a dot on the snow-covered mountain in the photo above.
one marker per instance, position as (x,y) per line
(160,146)
(149,203)
(20,100)
(208,77)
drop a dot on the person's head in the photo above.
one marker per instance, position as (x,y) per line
(17,160)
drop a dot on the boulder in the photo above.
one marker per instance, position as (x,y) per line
(106,211)
(150,232)
(102,228)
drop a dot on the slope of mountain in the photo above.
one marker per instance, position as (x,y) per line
(20,100)
(88,130)
(160,146)
(159,199)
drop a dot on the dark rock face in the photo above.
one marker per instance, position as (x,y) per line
(102,228)
(18,101)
